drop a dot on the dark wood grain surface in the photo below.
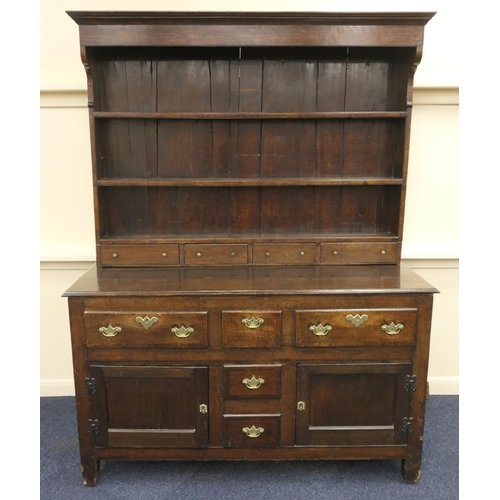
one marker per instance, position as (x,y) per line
(249,179)
(245,280)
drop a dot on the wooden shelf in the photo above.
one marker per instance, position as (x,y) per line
(252,182)
(248,238)
(252,115)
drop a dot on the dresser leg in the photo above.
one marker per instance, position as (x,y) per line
(410,469)
(90,471)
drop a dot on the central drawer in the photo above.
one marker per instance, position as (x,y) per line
(252,381)
(251,328)
(359,327)
(252,431)
(146,329)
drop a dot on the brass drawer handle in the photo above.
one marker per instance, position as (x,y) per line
(320,330)
(253,383)
(392,329)
(110,330)
(146,322)
(182,332)
(253,432)
(252,322)
(357,320)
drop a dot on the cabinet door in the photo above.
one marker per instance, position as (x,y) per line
(352,404)
(150,406)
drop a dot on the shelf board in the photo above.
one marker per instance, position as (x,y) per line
(261,115)
(250,237)
(252,182)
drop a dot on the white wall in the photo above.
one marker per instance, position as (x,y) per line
(430,244)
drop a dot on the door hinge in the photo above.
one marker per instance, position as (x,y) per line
(90,385)
(407,425)
(93,427)
(411,383)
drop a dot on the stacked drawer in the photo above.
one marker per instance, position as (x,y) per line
(252,396)
(252,392)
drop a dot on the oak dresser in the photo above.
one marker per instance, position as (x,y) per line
(248,300)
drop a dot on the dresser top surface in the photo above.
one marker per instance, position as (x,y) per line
(275,280)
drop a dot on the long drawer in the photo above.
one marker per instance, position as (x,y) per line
(371,327)
(146,329)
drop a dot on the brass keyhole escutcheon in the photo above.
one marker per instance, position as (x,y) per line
(203,408)
(357,320)
(146,322)
(301,406)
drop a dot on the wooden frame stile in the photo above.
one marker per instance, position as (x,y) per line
(89,464)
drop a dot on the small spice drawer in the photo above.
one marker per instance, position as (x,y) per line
(359,253)
(207,254)
(139,255)
(146,330)
(252,381)
(283,254)
(373,327)
(251,328)
(252,431)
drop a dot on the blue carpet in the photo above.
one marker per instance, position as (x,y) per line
(60,476)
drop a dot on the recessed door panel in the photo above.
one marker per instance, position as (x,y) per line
(151,407)
(352,404)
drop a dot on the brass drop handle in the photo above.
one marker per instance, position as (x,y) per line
(110,330)
(252,322)
(320,330)
(182,331)
(253,432)
(146,322)
(253,383)
(392,329)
